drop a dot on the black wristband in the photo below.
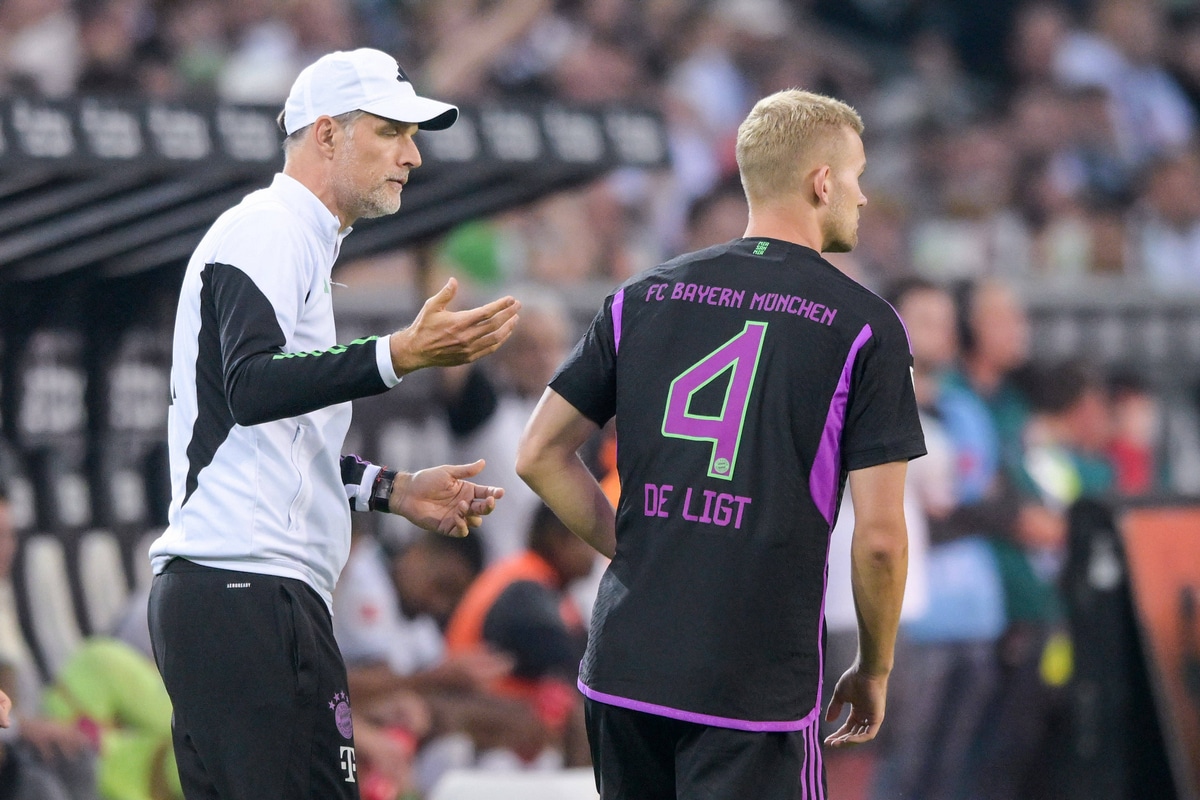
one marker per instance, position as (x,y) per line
(381,492)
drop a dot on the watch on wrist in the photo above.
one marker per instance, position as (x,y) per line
(381,492)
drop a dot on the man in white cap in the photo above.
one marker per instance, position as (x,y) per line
(260,405)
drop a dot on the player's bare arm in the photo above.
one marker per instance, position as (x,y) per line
(439,337)
(440,499)
(548,460)
(878,569)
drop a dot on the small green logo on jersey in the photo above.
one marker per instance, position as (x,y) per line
(327,286)
(760,248)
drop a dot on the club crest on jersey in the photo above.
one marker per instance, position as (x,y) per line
(340,706)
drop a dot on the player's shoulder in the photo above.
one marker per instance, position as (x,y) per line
(864,301)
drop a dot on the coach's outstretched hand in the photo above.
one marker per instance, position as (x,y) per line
(867,696)
(438,499)
(439,337)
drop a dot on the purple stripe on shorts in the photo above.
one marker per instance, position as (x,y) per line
(810,790)
(805,783)
(618,307)
(757,726)
(827,467)
(812,785)
(820,763)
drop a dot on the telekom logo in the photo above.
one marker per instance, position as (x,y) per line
(348,765)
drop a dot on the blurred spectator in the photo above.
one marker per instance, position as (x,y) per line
(517,37)
(976,233)
(41,754)
(1167,228)
(521,607)
(934,88)
(1038,32)
(1135,449)
(194,32)
(945,656)
(993,333)
(389,610)
(928,314)
(488,405)
(1065,448)
(986,413)
(272,49)
(883,249)
(39,46)
(1068,436)
(717,217)
(418,710)
(1184,59)
(1123,52)
(109,35)
(576,236)
(114,694)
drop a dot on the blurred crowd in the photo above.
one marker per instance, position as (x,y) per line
(1042,140)
(1012,146)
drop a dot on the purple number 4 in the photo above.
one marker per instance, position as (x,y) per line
(740,357)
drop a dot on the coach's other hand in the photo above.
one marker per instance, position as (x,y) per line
(438,499)
(442,338)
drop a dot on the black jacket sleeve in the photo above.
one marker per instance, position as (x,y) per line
(262,383)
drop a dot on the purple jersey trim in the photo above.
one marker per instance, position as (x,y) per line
(821,633)
(903,324)
(756,726)
(618,307)
(827,467)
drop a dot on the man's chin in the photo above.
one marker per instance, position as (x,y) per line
(376,211)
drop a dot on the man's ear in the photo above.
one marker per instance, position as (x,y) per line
(822,184)
(325,132)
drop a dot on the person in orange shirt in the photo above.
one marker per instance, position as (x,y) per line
(520,607)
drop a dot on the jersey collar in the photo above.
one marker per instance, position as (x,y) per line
(310,208)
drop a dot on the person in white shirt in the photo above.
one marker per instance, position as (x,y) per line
(260,404)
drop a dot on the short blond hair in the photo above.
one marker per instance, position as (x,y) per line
(782,130)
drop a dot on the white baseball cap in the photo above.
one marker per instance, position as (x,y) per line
(361,80)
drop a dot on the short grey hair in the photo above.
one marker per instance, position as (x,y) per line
(295,137)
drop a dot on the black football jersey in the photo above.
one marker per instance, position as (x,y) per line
(746,381)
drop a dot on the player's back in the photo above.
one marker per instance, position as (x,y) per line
(745,380)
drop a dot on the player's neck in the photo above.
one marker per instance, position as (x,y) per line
(786,225)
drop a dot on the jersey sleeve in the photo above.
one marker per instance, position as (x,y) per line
(588,378)
(255,301)
(882,423)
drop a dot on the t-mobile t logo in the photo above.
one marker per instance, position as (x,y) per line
(348,764)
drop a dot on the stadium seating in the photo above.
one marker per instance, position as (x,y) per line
(46,585)
(102,579)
